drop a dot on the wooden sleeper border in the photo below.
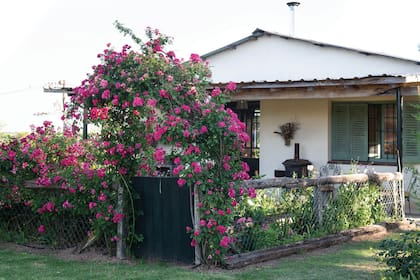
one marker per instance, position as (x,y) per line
(263,255)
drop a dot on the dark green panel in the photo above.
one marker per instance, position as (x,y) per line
(411,128)
(166,213)
(340,132)
(358,125)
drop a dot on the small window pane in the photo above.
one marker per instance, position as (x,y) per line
(390,128)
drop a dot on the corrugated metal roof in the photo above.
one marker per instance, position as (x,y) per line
(368,80)
(259,33)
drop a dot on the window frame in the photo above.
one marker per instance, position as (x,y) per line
(354,123)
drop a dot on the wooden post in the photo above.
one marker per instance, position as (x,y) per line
(402,197)
(197,248)
(318,205)
(120,226)
(321,193)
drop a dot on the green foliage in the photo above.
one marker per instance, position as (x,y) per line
(298,205)
(402,255)
(412,181)
(283,216)
(276,217)
(355,205)
(71,186)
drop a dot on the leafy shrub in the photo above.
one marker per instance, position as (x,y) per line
(298,205)
(355,205)
(69,177)
(402,255)
(275,217)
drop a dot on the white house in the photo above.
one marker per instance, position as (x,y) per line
(351,105)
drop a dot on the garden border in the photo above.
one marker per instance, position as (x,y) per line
(263,255)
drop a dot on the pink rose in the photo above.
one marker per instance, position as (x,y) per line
(41,229)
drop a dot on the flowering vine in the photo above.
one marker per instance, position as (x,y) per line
(157,110)
(67,165)
(152,110)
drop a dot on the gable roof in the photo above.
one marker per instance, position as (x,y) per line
(259,33)
(268,56)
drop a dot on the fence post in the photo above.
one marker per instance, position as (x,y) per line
(321,193)
(317,205)
(402,197)
(197,248)
(120,226)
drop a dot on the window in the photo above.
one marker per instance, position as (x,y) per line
(364,132)
(368,132)
(249,113)
(382,132)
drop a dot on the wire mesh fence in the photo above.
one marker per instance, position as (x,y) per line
(285,210)
(20,223)
(288,210)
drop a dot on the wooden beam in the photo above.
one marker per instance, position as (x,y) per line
(287,182)
(395,81)
(410,91)
(313,92)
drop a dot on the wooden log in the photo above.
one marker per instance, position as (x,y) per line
(242,260)
(31,184)
(196,222)
(379,178)
(121,246)
(287,182)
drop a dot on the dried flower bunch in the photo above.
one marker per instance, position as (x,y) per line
(287,131)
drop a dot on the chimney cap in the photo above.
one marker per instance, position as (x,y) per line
(293,4)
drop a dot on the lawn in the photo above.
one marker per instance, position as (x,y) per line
(354,260)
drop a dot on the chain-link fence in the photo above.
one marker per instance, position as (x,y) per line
(285,210)
(288,210)
(20,223)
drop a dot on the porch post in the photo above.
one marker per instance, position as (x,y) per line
(399,130)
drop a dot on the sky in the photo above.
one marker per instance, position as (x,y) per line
(46,41)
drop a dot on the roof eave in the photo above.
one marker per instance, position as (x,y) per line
(254,36)
(397,81)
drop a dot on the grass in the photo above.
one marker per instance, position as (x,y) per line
(355,260)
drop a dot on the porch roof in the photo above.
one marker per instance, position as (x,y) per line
(326,88)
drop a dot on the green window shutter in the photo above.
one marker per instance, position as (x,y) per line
(410,135)
(358,131)
(349,132)
(340,132)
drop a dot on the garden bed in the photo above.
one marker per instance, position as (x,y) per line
(238,261)
(371,231)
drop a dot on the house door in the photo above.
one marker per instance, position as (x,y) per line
(249,113)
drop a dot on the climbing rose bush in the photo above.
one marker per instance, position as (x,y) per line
(66,164)
(155,110)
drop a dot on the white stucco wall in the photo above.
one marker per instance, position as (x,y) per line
(271,58)
(312,116)
(313,135)
(274,58)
